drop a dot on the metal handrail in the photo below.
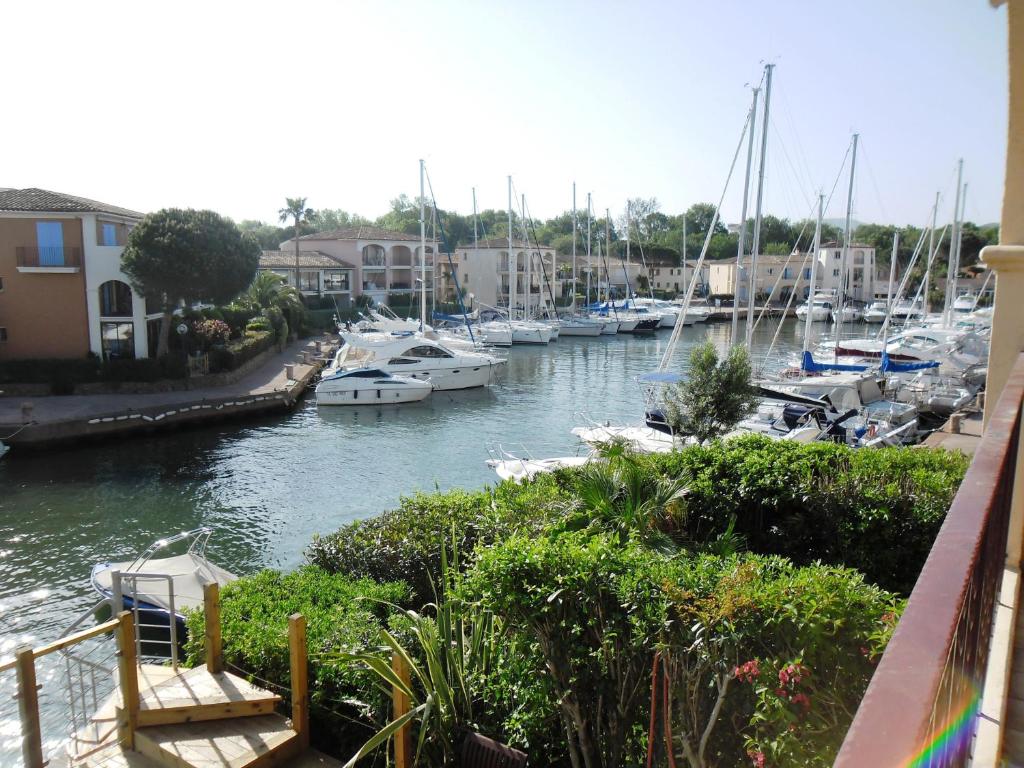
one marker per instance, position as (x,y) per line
(199,536)
(923,699)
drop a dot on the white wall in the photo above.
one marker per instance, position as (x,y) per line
(102,263)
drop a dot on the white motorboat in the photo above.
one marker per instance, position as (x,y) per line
(666,310)
(905,310)
(965,303)
(160,584)
(876,313)
(850,314)
(369,386)
(640,439)
(419,356)
(820,309)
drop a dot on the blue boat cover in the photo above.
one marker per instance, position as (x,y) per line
(888,366)
(808,364)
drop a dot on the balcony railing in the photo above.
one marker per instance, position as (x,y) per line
(921,706)
(59,256)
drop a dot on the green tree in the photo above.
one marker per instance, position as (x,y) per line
(267,235)
(177,256)
(296,210)
(327,219)
(715,396)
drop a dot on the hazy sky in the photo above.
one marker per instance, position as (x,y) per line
(233,106)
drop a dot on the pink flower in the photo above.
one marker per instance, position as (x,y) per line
(748,672)
(802,700)
(756,758)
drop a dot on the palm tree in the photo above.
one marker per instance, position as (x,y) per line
(295,208)
(269,290)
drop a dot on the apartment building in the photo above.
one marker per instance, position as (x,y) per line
(382,261)
(780,276)
(62,291)
(484,276)
(318,273)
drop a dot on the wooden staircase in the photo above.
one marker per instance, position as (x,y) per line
(204,717)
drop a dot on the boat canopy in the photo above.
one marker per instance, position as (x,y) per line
(808,364)
(888,366)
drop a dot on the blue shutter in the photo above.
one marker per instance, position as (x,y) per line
(50,239)
(109,234)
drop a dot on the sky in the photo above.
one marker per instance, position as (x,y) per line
(235,105)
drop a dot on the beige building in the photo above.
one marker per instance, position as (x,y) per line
(484,276)
(780,276)
(62,291)
(319,274)
(383,261)
(675,279)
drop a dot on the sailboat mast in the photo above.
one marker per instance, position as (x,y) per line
(756,243)
(814,273)
(572,305)
(954,246)
(423,253)
(529,258)
(931,254)
(513,261)
(684,252)
(743,219)
(952,239)
(475,243)
(841,298)
(892,268)
(626,270)
(590,265)
(892,278)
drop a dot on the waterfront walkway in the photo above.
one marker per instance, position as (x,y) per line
(44,420)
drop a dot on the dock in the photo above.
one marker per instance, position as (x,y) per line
(276,385)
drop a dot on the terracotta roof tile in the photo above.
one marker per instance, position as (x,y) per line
(45,201)
(361,233)
(308,259)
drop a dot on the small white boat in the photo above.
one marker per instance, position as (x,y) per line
(640,439)
(965,303)
(526,332)
(161,587)
(820,310)
(369,386)
(850,314)
(508,466)
(876,313)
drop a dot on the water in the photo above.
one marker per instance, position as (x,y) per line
(266,487)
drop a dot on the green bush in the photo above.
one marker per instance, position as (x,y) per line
(237,316)
(258,324)
(341,614)
(405,543)
(874,510)
(319,320)
(237,353)
(64,375)
(598,609)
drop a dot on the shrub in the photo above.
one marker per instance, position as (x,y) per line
(874,510)
(237,316)
(258,324)
(599,609)
(237,353)
(405,543)
(64,375)
(341,614)
(211,332)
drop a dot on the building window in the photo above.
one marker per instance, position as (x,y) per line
(109,234)
(118,340)
(50,239)
(835,273)
(785,273)
(807,273)
(1,284)
(373,256)
(3,334)
(115,299)
(336,280)
(836,255)
(309,281)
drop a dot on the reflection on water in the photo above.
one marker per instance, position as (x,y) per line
(267,486)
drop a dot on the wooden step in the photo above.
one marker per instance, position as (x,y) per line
(242,742)
(196,695)
(114,756)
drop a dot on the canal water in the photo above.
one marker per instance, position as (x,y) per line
(266,487)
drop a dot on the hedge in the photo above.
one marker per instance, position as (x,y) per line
(63,375)
(237,353)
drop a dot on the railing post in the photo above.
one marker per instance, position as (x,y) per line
(28,708)
(116,594)
(211,613)
(400,705)
(299,668)
(128,675)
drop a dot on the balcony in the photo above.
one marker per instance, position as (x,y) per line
(61,260)
(948,690)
